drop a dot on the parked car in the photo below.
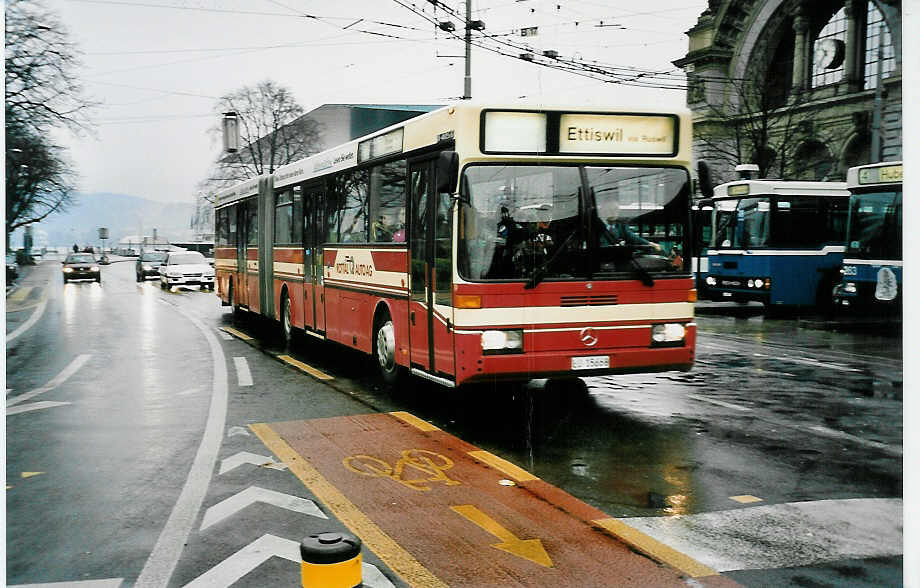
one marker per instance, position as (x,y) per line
(81,266)
(12,268)
(148,264)
(186,268)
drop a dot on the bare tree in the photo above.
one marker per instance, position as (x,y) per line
(42,93)
(38,179)
(42,90)
(273,132)
(756,124)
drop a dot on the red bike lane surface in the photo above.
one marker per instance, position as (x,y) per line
(442,512)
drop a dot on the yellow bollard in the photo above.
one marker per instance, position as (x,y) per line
(330,560)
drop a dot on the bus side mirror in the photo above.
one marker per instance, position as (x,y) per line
(448,170)
(705,178)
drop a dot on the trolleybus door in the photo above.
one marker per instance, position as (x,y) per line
(251,257)
(430,273)
(239,286)
(313,238)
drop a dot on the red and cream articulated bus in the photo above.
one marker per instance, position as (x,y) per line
(477,243)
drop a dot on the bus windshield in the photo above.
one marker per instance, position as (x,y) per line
(875,226)
(743,223)
(545,222)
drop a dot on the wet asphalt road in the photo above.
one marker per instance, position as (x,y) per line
(777,460)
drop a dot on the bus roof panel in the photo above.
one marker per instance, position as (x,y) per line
(779,188)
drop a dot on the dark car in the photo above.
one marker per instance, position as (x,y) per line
(12,267)
(148,264)
(81,266)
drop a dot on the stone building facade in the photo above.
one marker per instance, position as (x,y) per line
(804,88)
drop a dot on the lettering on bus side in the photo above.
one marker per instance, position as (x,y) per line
(358,264)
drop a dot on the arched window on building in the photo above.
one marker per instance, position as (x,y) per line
(878,47)
(812,162)
(829,50)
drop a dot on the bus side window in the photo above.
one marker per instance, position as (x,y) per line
(387,202)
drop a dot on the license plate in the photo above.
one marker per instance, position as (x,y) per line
(591,362)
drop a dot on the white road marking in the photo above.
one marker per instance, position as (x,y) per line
(59,379)
(224,335)
(783,535)
(110,583)
(238,459)
(227,572)
(253,494)
(34,406)
(39,310)
(810,362)
(243,375)
(718,402)
(237,431)
(165,555)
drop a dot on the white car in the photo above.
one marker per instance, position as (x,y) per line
(186,268)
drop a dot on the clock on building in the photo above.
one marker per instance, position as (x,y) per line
(829,53)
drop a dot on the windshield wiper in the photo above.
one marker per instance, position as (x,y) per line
(644,276)
(539,272)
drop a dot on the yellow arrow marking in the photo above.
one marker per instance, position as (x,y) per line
(531,549)
(30,474)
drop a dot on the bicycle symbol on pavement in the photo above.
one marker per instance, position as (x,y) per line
(430,464)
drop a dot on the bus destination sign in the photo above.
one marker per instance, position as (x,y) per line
(620,134)
(882,174)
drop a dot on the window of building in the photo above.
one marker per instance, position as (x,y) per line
(829,50)
(878,47)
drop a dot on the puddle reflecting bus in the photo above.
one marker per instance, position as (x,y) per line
(776,242)
(478,243)
(871,276)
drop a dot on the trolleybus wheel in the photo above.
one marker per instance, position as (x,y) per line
(385,351)
(286,329)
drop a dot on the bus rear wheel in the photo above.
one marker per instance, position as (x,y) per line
(385,351)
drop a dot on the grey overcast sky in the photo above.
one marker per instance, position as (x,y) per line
(158,66)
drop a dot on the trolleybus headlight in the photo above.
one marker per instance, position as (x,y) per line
(849,287)
(668,333)
(710,281)
(494,342)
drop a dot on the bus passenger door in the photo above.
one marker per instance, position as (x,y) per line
(313,238)
(252,254)
(421,179)
(430,272)
(239,288)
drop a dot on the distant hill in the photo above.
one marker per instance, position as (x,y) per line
(122,214)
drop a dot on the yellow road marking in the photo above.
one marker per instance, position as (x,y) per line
(30,474)
(387,549)
(414,421)
(504,466)
(305,368)
(655,549)
(236,333)
(21,294)
(530,549)
(746,499)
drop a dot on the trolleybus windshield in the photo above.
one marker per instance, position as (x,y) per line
(571,222)
(875,226)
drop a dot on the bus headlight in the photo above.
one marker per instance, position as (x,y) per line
(495,342)
(758,283)
(849,287)
(710,281)
(668,334)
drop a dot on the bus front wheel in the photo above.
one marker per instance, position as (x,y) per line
(385,351)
